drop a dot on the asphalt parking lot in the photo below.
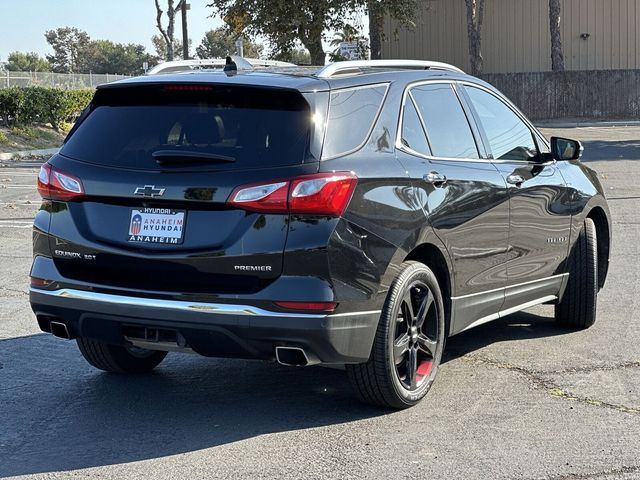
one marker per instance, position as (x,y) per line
(517,398)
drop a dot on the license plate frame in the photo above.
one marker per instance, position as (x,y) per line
(157,226)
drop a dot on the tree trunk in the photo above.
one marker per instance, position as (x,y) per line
(375,29)
(168,33)
(475,17)
(171,13)
(316,51)
(311,38)
(555,18)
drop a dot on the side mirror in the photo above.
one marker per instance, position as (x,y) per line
(566,149)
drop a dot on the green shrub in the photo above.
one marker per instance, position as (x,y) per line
(11,103)
(65,104)
(66,127)
(31,105)
(35,105)
(4,140)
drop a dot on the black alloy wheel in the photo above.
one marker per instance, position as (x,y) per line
(409,342)
(416,336)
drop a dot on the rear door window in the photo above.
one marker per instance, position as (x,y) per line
(352,112)
(447,126)
(242,128)
(413,136)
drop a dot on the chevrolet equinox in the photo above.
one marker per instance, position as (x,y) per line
(354,216)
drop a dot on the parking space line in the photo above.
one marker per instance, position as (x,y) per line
(15,223)
(34,203)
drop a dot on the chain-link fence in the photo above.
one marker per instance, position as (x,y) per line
(68,81)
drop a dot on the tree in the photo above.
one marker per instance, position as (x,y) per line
(285,22)
(402,10)
(27,62)
(105,56)
(299,56)
(66,42)
(349,34)
(160,46)
(221,42)
(167,33)
(475,17)
(555,18)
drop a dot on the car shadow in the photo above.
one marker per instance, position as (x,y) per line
(600,150)
(516,327)
(57,413)
(60,414)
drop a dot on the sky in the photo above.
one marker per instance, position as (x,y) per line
(23,22)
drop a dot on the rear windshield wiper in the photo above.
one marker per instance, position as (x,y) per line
(168,157)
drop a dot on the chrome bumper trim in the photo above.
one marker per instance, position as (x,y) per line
(211,308)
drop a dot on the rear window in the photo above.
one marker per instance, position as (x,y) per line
(352,112)
(227,127)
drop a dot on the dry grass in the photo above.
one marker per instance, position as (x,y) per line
(29,138)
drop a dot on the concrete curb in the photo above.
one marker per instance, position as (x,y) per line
(585,124)
(28,154)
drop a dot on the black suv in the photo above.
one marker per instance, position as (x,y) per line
(354,216)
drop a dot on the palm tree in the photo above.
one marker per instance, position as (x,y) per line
(475,17)
(555,17)
(376,19)
(349,34)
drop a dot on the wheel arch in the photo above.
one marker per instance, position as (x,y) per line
(603,235)
(436,260)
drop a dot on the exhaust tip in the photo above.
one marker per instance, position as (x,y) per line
(292,357)
(60,330)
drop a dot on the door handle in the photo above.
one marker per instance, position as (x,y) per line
(515,179)
(435,178)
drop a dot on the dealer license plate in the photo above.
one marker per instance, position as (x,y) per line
(157,225)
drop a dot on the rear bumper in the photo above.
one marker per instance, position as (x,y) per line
(210,329)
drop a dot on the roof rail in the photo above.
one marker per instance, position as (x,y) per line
(356,66)
(177,66)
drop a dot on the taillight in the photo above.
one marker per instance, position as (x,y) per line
(319,194)
(187,88)
(40,282)
(263,197)
(56,185)
(308,306)
(322,194)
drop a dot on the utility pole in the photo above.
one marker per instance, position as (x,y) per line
(184,6)
(240,47)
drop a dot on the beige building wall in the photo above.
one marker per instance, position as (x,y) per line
(515,35)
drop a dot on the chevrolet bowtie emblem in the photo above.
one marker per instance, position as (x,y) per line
(149,191)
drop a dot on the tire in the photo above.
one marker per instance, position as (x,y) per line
(577,309)
(386,379)
(117,359)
